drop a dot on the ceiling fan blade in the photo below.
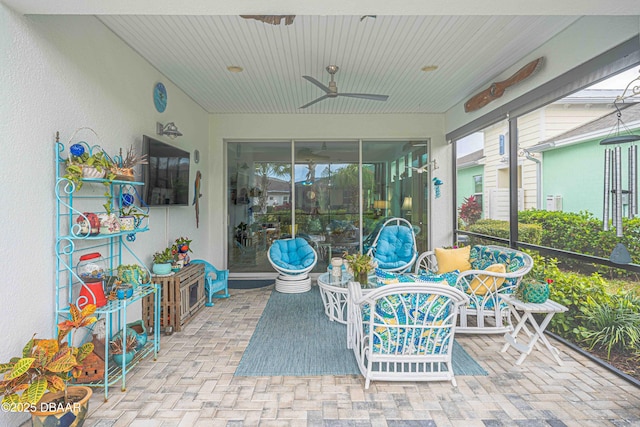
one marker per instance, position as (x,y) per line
(315,100)
(317,83)
(366,96)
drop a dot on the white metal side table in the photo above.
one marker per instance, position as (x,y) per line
(549,308)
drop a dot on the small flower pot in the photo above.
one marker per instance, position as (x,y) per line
(536,292)
(140,331)
(127,223)
(128,357)
(124,291)
(91,172)
(161,269)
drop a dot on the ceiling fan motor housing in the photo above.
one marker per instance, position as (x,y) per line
(333,89)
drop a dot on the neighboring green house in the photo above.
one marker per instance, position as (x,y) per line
(579,149)
(470,177)
(560,159)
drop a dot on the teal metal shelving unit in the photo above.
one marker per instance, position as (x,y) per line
(73,206)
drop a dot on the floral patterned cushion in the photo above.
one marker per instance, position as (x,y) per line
(429,277)
(386,278)
(402,323)
(483,256)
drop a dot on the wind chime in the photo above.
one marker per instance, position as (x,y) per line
(614,193)
(613,186)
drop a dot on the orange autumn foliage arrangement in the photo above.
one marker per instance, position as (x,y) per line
(46,364)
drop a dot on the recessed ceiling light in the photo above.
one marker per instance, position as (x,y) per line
(428,68)
(235,68)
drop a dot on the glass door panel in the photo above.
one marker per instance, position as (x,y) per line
(259,201)
(327,202)
(400,174)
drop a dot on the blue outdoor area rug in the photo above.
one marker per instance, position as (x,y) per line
(295,338)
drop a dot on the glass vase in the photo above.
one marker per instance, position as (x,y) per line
(363,278)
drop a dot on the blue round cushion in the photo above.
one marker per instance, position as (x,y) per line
(395,247)
(292,254)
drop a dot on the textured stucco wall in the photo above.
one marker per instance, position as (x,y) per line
(60,74)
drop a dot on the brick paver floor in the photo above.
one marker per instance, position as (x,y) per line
(192,384)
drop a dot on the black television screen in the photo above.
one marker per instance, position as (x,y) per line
(166,177)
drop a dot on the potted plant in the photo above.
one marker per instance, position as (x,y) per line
(126,353)
(123,169)
(83,165)
(48,365)
(162,262)
(360,266)
(534,287)
(133,274)
(131,217)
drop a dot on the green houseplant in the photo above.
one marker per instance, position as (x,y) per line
(82,166)
(48,365)
(96,165)
(162,261)
(360,265)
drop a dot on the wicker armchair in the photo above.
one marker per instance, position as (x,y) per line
(485,312)
(404,332)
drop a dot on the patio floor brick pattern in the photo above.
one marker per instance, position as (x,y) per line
(192,384)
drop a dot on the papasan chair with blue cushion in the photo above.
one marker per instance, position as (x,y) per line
(293,259)
(394,248)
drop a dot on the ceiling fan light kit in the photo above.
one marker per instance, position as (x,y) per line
(331,91)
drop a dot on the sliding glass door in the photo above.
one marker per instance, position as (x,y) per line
(259,201)
(333,193)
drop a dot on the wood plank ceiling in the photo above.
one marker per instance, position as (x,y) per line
(379,55)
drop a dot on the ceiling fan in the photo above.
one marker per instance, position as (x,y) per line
(332,90)
(309,155)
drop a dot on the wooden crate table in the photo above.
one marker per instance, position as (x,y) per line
(182,296)
(549,308)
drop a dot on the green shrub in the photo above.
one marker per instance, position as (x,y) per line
(577,292)
(613,325)
(583,233)
(531,233)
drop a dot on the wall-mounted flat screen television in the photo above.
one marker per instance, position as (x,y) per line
(166,177)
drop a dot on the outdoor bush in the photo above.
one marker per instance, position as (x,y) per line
(613,325)
(583,233)
(470,210)
(530,233)
(571,290)
(576,232)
